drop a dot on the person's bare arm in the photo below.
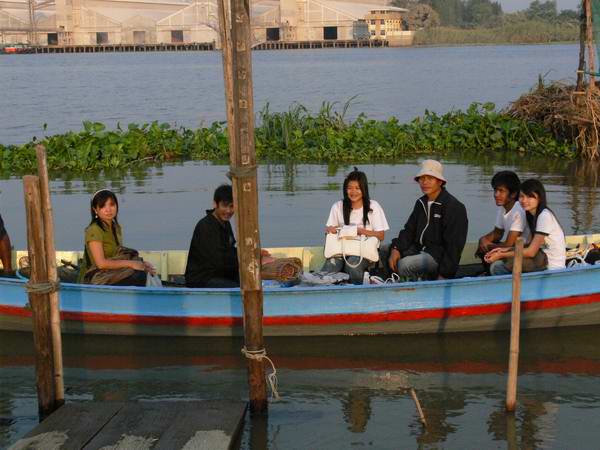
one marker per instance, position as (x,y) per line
(528,252)
(5,253)
(103,263)
(378,234)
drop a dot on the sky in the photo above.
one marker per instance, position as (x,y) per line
(514,5)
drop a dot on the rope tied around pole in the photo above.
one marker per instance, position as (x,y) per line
(259,355)
(242,172)
(42,288)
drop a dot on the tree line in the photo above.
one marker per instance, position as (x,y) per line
(480,13)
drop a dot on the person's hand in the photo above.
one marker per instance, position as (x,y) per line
(497,250)
(393,260)
(361,231)
(137,265)
(485,245)
(264,252)
(494,255)
(149,268)
(331,230)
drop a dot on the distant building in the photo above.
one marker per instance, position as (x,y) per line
(389,24)
(99,22)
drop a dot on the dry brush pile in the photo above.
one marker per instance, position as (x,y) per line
(571,115)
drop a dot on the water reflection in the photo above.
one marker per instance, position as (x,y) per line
(357,409)
(533,425)
(340,392)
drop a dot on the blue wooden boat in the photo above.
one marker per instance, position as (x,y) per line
(565,297)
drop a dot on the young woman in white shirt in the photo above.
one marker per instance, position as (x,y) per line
(358,209)
(546,249)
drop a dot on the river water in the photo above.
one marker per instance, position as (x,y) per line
(337,392)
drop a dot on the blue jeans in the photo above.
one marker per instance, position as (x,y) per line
(418,267)
(339,265)
(499,268)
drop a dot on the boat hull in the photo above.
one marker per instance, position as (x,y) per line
(569,297)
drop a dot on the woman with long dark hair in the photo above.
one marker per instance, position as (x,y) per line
(103,238)
(547,248)
(356,208)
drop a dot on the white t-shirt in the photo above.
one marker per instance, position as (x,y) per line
(377,220)
(554,246)
(513,220)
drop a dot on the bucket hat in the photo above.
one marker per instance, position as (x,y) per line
(432,168)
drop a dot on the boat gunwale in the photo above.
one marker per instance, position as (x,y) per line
(299,290)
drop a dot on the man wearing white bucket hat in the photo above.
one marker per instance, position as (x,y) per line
(431,243)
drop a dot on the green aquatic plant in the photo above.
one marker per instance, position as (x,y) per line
(296,135)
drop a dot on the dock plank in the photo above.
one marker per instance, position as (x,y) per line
(160,425)
(210,424)
(71,426)
(137,425)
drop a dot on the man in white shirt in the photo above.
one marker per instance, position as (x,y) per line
(510,218)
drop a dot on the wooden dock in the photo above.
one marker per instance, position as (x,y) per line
(123,48)
(172,425)
(294,45)
(202,46)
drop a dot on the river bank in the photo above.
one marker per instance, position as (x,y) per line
(515,33)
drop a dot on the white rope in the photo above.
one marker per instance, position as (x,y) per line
(259,355)
(395,278)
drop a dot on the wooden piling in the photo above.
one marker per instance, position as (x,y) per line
(582,39)
(237,69)
(418,406)
(515,323)
(39,302)
(590,46)
(48,221)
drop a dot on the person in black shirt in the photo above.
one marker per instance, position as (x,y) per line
(212,259)
(431,243)
(5,249)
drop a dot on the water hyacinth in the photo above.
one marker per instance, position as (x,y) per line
(296,135)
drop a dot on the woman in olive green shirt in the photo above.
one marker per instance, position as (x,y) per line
(103,237)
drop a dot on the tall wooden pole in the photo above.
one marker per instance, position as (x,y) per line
(515,324)
(237,70)
(582,40)
(39,301)
(590,45)
(48,219)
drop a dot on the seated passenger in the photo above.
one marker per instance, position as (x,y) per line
(103,241)
(358,209)
(546,249)
(510,217)
(431,243)
(5,249)
(212,259)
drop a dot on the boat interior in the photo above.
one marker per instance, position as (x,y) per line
(170,264)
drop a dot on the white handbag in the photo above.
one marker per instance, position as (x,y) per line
(366,247)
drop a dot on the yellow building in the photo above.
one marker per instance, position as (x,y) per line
(389,24)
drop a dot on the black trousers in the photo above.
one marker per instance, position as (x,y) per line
(137,279)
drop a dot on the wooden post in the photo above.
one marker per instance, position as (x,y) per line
(515,323)
(48,219)
(590,45)
(40,303)
(418,406)
(582,39)
(237,70)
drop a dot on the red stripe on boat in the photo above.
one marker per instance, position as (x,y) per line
(320,319)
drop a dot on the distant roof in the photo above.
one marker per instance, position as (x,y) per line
(358,10)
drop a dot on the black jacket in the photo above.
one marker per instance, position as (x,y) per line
(212,252)
(441,232)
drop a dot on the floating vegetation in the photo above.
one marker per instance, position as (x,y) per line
(296,135)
